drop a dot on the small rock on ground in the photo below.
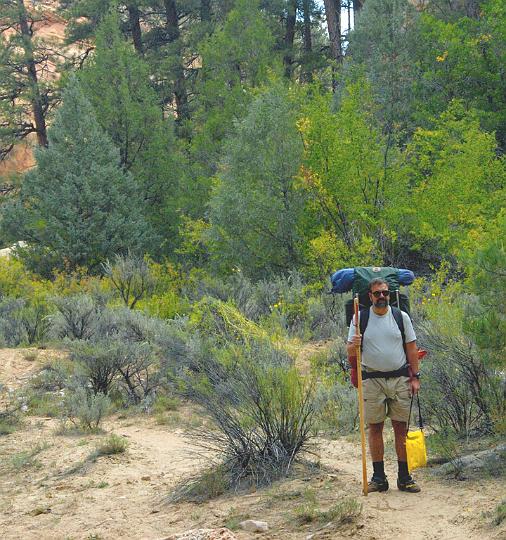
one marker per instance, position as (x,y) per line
(254,526)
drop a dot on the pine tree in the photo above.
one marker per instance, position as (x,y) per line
(77,207)
(25,99)
(116,81)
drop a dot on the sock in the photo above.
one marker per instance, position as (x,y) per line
(403,469)
(379,469)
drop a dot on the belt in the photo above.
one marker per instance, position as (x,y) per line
(401,372)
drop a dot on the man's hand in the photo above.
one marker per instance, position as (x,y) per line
(357,341)
(414,384)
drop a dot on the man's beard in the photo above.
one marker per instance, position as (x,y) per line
(381,303)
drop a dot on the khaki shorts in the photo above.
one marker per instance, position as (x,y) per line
(386,397)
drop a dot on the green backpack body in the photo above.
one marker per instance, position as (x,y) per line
(363,276)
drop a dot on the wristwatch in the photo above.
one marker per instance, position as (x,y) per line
(416,375)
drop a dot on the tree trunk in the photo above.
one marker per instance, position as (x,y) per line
(135,27)
(205,10)
(173,34)
(307,74)
(171,20)
(357,6)
(333,14)
(473,9)
(291,18)
(36,100)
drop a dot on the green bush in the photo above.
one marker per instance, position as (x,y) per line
(131,277)
(164,402)
(337,409)
(460,392)
(99,362)
(54,376)
(77,316)
(44,404)
(10,417)
(26,459)
(23,321)
(500,513)
(262,408)
(207,485)
(446,445)
(223,321)
(85,410)
(114,444)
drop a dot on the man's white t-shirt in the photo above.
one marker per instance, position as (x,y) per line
(382,347)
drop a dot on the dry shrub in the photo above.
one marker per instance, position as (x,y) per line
(263,412)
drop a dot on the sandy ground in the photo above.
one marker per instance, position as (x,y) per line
(59,495)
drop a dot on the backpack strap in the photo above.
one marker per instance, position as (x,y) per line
(397,314)
(363,320)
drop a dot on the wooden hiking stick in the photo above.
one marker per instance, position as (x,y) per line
(360,400)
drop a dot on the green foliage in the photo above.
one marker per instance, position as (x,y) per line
(461,393)
(75,209)
(457,181)
(262,408)
(255,209)
(114,444)
(224,322)
(461,59)
(236,58)
(352,180)
(445,445)
(486,320)
(131,278)
(116,81)
(10,418)
(345,511)
(26,459)
(77,316)
(23,322)
(85,410)
(500,513)
(383,43)
(42,403)
(208,485)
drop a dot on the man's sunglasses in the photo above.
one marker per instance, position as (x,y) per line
(377,294)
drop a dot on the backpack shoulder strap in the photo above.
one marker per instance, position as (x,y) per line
(397,314)
(363,320)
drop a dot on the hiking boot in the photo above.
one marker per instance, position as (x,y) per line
(377,483)
(408,484)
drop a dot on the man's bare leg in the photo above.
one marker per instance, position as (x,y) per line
(376,447)
(400,439)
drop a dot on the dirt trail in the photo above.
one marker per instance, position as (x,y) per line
(58,495)
(444,510)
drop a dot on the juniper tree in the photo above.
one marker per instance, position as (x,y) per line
(255,208)
(78,207)
(116,81)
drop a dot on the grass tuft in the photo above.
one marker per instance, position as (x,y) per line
(114,444)
(345,511)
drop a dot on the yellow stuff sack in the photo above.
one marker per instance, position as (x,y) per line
(416,450)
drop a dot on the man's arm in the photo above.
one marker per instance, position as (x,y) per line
(412,356)
(351,346)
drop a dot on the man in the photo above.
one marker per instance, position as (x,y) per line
(390,377)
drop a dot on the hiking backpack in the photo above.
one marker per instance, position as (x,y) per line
(357,280)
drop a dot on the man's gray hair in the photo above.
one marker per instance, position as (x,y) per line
(377,281)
